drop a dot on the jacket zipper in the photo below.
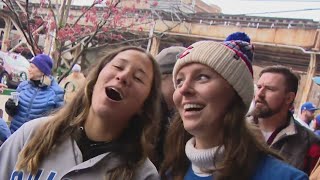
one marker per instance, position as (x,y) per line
(32,102)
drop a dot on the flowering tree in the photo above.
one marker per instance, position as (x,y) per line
(77,30)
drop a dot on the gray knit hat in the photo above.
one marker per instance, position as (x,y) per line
(168,57)
(231,59)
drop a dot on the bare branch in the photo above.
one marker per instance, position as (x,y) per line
(61,12)
(88,9)
(31,39)
(54,17)
(74,47)
(21,7)
(99,26)
(18,23)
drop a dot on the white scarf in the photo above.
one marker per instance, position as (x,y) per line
(201,158)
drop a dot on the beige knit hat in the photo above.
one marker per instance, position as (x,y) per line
(231,59)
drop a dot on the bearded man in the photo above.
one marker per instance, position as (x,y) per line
(277,89)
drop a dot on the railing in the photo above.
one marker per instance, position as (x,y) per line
(173,6)
(176,10)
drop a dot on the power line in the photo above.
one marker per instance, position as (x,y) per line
(296,10)
(285,0)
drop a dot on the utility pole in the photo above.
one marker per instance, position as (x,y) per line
(150,35)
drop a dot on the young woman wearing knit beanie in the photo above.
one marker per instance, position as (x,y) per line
(209,138)
(38,96)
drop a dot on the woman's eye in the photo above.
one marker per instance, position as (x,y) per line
(118,67)
(138,79)
(203,77)
(179,82)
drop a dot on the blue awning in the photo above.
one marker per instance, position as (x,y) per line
(316,79)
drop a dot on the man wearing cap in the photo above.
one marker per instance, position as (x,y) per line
(38,96)
(277,88)
(306,114)
(73,83)
(166,60)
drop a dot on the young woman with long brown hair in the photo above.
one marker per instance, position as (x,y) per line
(209,138)
(100,134)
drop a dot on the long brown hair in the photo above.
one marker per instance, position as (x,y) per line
(242,150)
(66,122)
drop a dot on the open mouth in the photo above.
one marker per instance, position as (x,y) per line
(193,107)
(114,94)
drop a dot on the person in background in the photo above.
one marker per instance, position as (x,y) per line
(210,137)
(277,88)
(166,60)
(317,125)
(2,86)
(101,134)
(38,96)
(4,129)
(72,83)
(306,114)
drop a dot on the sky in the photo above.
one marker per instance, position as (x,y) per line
(305,9)
(302,9)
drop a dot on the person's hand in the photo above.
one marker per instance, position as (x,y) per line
(2,86)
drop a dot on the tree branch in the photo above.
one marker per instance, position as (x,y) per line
(18,23)
(31,39)
(99,26)
(88,9)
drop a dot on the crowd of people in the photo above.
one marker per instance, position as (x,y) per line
(180,115)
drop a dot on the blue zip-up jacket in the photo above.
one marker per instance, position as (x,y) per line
(35,102)
(4,130)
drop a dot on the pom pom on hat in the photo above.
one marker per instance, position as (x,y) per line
(76,68)
(168,57)
(242,49)
(43,63)
(231,59)
(238,36)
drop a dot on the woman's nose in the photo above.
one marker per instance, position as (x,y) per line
(186,88)
(123,77)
